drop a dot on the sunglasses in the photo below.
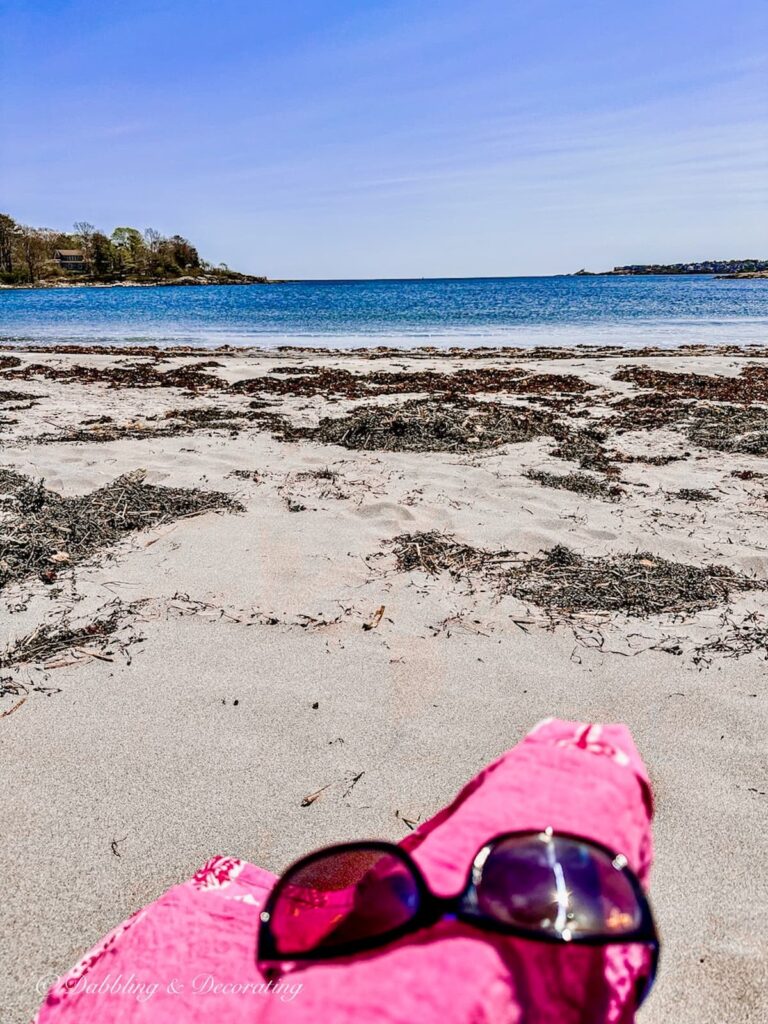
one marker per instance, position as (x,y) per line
(547,886)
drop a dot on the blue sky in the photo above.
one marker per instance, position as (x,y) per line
(318,138)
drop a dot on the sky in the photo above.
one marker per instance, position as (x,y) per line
(394,138)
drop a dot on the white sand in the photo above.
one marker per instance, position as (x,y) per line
(154,752)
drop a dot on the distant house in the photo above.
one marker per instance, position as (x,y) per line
(70,259)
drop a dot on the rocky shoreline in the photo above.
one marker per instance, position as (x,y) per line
(745,275)
(180,282)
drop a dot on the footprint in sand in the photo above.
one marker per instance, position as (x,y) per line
(386,510)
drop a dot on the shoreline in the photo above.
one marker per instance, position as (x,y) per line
(752,350)
(258,279)
(40,286)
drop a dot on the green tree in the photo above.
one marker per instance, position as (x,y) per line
(103,256)
(57,240)
(131,250)
(183,253)
(33,248)
(8,236)
(28,253)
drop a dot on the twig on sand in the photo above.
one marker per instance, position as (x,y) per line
(377,617)
(311,797)
(408,820)
(352,783)
(14,707)
(114,844)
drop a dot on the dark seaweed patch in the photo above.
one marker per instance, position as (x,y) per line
(427,426)
(639,584)
(579,483)
(562,580)
(42,532)
(751,385)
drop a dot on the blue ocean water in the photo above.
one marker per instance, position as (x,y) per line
(525,311)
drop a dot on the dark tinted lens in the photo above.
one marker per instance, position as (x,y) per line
(566,887)
(342,896)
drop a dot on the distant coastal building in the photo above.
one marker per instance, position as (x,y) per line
(70,259)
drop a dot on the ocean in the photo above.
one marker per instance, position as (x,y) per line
(521,311)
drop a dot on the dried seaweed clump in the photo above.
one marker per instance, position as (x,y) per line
(562,580)
(692,494)
(735,640)
(751,385)
(328,482)
(653,460)
(11,481)
(579,483)
(428,426)
(433,552)
(189,377)
(48,640)
(320,380)
(587,448)
(649,410)
(639,584)
(730,429)
(16,396)
(173,423)
(42,532)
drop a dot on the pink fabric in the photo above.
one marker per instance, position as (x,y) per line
(189,956)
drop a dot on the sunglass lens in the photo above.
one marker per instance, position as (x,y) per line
(552,884)
(342,897)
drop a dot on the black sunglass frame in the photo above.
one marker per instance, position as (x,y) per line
(432,908)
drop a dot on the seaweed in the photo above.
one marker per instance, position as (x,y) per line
(750,386)
(562,580)
(433,552)
(638,584)
(747,474)
(692,494)
(48,640)
(736,640)
(42,532)
(11,481)
(189,377)
(319,380)
(579,483)
(17,396)
(587,448)
(423,425)
(175,422)
(730,429)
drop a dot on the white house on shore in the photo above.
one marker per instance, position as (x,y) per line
(71,259)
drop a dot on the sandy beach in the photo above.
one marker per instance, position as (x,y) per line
(368,609)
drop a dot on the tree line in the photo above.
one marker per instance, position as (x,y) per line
(28,254)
